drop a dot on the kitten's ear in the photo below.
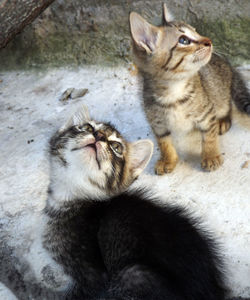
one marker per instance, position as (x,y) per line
(80,117)
(166,15)
(143,34)
(140,155)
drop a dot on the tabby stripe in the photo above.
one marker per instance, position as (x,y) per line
(191,92)
(212,119)
(174,104)
(95,184)
(163,105)
(211,128)
(170,57)
(214,129)
(110,181)
(167,133)
(177,65)
(121,173)
(62,159)
(112,178)
(171,105)
(206,114)
(184,100)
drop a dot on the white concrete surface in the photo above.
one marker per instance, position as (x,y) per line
(30,111)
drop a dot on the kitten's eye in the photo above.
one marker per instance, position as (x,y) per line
(117,147)
(184,40)
(85,127)
(88,127)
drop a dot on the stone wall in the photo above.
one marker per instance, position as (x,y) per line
(80,32)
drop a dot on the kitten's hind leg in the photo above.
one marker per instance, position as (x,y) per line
(225,124)
(169,157)
(211,157)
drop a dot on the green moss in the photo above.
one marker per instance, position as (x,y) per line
(110,45)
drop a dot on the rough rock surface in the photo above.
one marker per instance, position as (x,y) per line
(97,32)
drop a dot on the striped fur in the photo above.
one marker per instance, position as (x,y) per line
(90,157)
(127,246)
(116,173)
(88,160)
(185,87)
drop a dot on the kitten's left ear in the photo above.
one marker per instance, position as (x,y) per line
(166,15)
(140,155)
(80,117)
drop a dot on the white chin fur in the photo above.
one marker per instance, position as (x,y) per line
(202,57)
(73,181)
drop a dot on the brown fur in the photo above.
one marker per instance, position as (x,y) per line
(169,157)
(185,87)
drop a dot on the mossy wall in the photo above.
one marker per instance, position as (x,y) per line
(80,32)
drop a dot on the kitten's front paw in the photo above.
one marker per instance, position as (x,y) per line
(212,163)
(163,167)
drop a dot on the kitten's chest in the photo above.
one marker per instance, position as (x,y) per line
(178,120)
(172,118)
(170,108)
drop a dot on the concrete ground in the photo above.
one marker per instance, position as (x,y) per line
(31,112)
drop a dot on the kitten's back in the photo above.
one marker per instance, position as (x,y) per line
(225,83)
(156,252)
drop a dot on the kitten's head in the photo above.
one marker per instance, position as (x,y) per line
(174,49)
(91,158)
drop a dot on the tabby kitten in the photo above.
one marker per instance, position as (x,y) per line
(108,243)
(185,87)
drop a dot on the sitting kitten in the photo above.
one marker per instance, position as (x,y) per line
(113,244)
(185,87)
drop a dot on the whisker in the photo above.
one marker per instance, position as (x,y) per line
(218,52)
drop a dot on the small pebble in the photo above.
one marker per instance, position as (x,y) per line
(245,164)
(76,93)
(66,94)
(72,93)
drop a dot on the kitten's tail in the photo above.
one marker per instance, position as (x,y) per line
(240,93)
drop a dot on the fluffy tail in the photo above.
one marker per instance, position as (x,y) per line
(240,93)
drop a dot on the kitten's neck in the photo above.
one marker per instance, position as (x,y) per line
(168,91)
(66,188)
(60,196)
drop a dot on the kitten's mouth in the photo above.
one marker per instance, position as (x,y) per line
(93,146)
(202,54)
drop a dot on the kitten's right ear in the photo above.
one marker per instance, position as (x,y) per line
(80,117)
(166,15)
(143,34)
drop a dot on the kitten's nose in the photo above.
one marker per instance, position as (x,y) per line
(99,136)
(207,42)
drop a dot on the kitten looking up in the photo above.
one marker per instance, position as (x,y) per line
(104,242)
(94,158)
(185,87)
